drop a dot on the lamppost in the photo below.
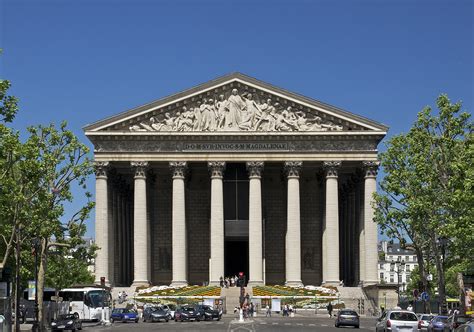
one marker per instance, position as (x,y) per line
(399,263)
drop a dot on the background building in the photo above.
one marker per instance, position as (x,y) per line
(395,264)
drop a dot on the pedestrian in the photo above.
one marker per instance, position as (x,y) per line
(410,308)
(329,307)
(251,309)
(290,309)
(268,312)
(221,282)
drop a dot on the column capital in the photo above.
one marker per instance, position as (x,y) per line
(178,168)
(217,168)
(331,168)
(255,168)
(293,168)
(101,168)
(371,168)
(140,168)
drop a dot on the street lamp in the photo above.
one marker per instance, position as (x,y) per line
(399,263)
(36,245)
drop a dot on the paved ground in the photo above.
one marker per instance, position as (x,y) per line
(230,323)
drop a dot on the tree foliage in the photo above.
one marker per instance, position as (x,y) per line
(36,178)
(427,193)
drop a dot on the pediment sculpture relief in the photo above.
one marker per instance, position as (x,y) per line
(236,113)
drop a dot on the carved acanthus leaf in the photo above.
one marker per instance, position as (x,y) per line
(293,168)
(216,168)
(255,168)
(331,167)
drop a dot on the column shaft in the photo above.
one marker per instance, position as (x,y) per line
(179,245)
(255,223)
(217,222)
(140,243)
(293,231)
(101,223)
(332,223)
(370,227)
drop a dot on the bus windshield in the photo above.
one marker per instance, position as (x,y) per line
(96,299)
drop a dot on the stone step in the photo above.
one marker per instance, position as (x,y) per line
(232,297)
(115,293)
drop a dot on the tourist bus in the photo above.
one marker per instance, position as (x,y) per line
(87,301)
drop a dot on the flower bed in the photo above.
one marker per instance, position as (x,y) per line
(180,291)
(279,290)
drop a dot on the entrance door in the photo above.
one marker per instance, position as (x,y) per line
(236,216)
(236,258)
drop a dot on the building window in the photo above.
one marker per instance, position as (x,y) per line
(392,280)
(392,267)
(408,267)
(381,266)
(381,276)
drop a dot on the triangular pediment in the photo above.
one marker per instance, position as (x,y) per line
(235,103)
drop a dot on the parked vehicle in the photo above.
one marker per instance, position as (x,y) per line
(187,313)
(468,327)
(424,321)
(396,321)
(347,317)
(171,308)
(87,301)
(208,313)
(123,315)
(153,314)
(455,321)
(439,323)
(66,322)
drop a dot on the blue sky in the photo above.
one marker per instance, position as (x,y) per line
(82,61)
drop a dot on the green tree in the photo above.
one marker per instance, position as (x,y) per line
(36,177)
(427,192)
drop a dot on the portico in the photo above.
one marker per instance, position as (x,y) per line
(282,179)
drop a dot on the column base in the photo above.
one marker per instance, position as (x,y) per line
(255,283)
(214,283)
(332,283)
(140,283)
(177,283)
(294,283)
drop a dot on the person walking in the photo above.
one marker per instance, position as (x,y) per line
(268,312)
(329,307)
(221,282)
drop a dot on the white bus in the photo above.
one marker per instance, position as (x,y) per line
(87,301)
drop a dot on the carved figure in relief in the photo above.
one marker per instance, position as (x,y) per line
(197,117)
(221,105)
(239,113)
(235,106)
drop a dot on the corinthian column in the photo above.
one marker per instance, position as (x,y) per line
(331,251)
(255,169)
(370,227)
(101,222)
(140,228)
(179,225)
(217,221)
(293,232)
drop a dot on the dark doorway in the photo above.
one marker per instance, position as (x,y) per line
(236,258)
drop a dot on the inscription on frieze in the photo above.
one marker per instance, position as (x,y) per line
(240,146)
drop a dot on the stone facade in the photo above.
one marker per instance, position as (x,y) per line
(186,183)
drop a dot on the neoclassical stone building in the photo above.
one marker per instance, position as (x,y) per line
(236,175)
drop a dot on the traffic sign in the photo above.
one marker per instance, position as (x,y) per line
(425,296)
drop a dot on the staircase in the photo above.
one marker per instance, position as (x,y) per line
(115,293)
(232,295)
(351,295)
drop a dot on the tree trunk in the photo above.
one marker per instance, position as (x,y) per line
(17,281)
(440,267)
(423,276)
(41,280)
